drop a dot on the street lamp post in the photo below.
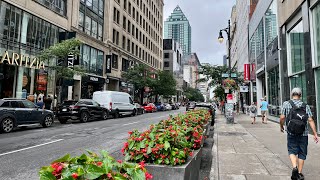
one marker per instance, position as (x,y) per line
(221,39)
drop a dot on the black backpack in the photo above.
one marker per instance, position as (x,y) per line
(253,109)
(297,119)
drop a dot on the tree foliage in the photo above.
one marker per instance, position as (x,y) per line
(165,84)
(140,76)
(219,92)
(61,51)
(194,95)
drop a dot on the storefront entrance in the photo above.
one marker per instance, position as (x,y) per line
(90,84)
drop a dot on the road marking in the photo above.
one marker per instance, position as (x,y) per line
(130,123)
(30,147)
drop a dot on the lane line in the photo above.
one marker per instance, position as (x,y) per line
(131,123)
(23,149)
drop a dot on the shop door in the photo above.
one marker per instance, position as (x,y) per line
(6,81)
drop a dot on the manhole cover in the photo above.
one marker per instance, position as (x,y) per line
(232,133)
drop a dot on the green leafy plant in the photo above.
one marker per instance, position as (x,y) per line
(92,166)
(169,142)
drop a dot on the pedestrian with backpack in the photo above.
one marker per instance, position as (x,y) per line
(296,115)
(253,112)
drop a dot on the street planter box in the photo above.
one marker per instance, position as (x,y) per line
(188,171)
(207,128)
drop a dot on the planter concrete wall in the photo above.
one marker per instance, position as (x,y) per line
(188,171)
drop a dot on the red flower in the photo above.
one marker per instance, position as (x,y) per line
(109,175)
(126,145)
(75,175)
(119,161)
(130,132)
(148,176)
(191,154)
(141,164)
(99,163)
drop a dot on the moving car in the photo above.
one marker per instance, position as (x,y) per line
(150,107)
(160,107)
(84,110)
(14,112)
(139,108)
(118,103)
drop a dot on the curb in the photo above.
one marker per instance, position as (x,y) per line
(214,173)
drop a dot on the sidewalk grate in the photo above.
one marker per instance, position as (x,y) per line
(232,134)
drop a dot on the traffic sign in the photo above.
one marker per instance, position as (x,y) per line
(234,75)
(225,75)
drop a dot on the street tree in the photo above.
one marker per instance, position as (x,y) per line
(164,85)
(194,94)
(140,76)
(59,53)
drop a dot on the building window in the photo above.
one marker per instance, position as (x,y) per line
(125,4)
(124,22)
(125,64)
(296,52)
(271,27)
(58,6)
(166,64)
(91,59)
(91,18)
(115,37)
(114,61)
(128,45)
(123,42)
(116,15)
(316,34)
(166,55)
(274,90)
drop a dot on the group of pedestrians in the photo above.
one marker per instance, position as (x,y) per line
(295,119)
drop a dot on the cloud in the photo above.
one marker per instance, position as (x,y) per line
(206,17)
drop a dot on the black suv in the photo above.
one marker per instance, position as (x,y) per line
(14,112)
(84,109)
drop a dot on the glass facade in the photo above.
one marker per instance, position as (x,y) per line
(296,48)
(177,27)
(316,33)
(26,35)
(91,59)
(296,59)
(271,26)
(58,6)
(91,18)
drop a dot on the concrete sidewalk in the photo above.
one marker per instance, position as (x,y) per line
(243,151)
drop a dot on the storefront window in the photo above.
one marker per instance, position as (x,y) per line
(296,49)
(316,33)
(271,27)
(317,72)
(299,80)
(91,60)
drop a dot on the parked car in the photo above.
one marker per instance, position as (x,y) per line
(14,112)
(208,107)
(168,107)
(150,107)
(84,110)
(118,103)
(160,107)
(178,105)
(173,106)
(139,108)
(190,105)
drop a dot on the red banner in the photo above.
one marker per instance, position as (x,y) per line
(253,72)
(246,74)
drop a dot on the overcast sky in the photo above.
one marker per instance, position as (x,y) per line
(206,18)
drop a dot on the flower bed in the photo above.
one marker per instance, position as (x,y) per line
(170,142)
(93,167)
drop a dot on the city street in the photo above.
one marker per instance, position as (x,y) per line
(24,151)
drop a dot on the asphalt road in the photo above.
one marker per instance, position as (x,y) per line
(24,151)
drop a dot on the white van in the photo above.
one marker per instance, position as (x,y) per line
(118,103)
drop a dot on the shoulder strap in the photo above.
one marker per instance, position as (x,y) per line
(303,105)
(292,104)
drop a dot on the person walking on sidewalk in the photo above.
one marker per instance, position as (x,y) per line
(296,115)
(264,110)
(253,112)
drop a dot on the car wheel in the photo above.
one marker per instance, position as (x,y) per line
(7,125)
(134,112)
(105,115)
(62,121)
(84,117)
(48,121)
(116,115)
